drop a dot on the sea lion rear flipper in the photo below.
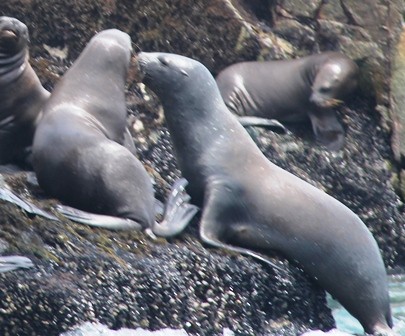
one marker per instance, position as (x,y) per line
(328,130)
(178,211)
(271,124)
(8,196)
(11,263)
(159,207)
(96,220)
(222,212)
(240,250)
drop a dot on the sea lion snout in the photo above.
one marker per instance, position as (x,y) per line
(324,101)
(142,61)
(13,35)
(11,27)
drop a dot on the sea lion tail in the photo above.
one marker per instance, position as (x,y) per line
(11,263)
(178,211)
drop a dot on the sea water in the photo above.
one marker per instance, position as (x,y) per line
(345,322)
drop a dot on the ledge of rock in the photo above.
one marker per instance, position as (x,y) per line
(128,280)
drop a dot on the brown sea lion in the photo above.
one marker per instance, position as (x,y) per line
(292,90)
(248,203)
(21,93)
(80,149)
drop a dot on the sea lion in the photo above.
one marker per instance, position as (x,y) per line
(292,90)
(21,93)
(80,148)
(248,203)
(10,263)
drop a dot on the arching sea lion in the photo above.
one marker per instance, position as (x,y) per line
(21,93)
(292,90)
(250,203)
(81,151)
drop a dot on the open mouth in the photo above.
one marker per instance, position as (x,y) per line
(331,102)
(9,40)
(8,34)
(325,102)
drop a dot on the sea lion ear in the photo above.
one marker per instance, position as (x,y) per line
(184,72)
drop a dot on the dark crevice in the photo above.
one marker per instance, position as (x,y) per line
(261,9)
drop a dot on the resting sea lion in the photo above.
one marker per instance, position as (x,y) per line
(21,93)
(292,90)
(248,201)
(81,151)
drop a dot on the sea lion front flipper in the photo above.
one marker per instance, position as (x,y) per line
(178,211)
(271,124)
(327,129)
(97,220)
(223,205)
(10,263)
(8,196)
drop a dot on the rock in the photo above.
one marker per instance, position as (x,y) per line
(300,8)
(125,279)
(398,99)
(296,33)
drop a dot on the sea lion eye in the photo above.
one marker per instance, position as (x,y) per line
(324,89)
(164,61)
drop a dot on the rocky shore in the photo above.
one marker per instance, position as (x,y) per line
(127,279)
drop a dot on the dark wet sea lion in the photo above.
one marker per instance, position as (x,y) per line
(250,203)
(21,93)
(292,90)
(81,153)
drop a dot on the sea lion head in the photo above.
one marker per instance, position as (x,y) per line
(166,74)
(112,49)
(14,35)
(335,80)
